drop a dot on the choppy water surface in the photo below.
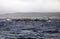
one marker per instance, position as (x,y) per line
(30,29)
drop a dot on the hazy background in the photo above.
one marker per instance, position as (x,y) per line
(9,6)
(27,6)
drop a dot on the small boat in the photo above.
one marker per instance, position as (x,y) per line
(7,19)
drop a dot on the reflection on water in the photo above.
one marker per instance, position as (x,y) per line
(30,29)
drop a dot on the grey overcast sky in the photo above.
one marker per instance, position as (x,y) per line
(10,6)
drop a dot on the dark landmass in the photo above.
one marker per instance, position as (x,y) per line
(41,20)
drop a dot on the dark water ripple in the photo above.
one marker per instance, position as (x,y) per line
(30,30)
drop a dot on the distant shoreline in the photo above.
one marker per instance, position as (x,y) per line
(31,15)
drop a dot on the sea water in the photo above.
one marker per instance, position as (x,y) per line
(30,29)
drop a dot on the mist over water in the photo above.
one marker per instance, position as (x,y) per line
(17,29)
(34,14)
